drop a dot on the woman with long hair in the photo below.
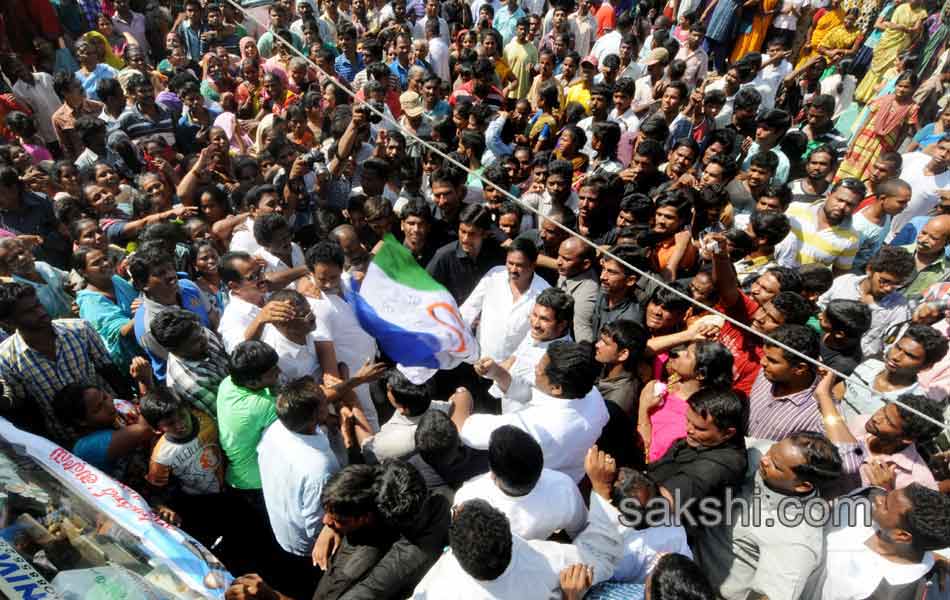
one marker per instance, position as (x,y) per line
(662,412)
(899,33)
(106,303)
(890,119)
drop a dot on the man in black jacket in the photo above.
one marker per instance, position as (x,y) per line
(383,531)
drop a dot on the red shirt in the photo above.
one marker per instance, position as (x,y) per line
(606,18)
(746,349)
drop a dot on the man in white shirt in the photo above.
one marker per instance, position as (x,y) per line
(610,43)
(260,200)
(929,177)
(887,555)
(513,379)
(247,313)
(624,90)
(537,501)
(499,306)
(880,290)
(283,259)
(431,14)
(485,560)
(295,340)
(36,90)
(566,413)
(335,318)
(292,488)
(644,542)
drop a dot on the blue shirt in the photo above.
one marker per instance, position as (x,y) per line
(346,69)
(94,449)
(88,82)
(191,300)
(401,72)
(506,22)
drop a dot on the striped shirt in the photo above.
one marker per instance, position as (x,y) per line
(196,381)
(772,418)
(834,246)
(30,379)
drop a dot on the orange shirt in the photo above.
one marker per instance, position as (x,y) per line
(664,251)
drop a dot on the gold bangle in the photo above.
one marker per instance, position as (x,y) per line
(832,419)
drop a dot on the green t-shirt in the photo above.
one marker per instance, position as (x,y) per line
(243,415)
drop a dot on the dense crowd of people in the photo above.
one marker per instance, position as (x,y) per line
(191,192)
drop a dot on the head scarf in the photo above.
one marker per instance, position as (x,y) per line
(227,122)
(110,58)
(244,41)
(266,124)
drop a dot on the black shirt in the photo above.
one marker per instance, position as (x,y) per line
(689,472)
(459,272)
(842,360)
(628,309)
(35,217)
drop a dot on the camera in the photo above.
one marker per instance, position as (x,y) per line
(373,117)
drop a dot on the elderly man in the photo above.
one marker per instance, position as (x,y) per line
(931,264)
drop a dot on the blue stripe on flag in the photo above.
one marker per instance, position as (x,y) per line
(409,348)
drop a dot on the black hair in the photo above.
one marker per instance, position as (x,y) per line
(851,317)
(676,577)
(802,338)
(515,460)
(608,133)
(526,247)
(436,437)
(571,367)
(765,160)
(145,261)
(265,226)
(638,205)
(934,343)
(669,300)
(816,278)
(480,539)
(474,141)
(400,491)
(822,460)
(250,361)
(747,97)
(726,137)
(793,307)
(788,279)
(416,207)
(173,326)
(350,492)
(652,150)
(559,301)
(628,335)
(413,397)
(253,196)
(892,260)
(727,408)
(325,252)
(915,426)
(772,226)
(928,519)
(62,81)
(636,256)
(779,191)
(476,216)
(69,406)
(159,404)
(298,402)
(714,364)
(10,295)
(226,269)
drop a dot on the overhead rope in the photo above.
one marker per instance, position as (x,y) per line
(598,249)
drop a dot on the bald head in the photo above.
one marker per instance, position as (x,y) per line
(934,236)
(573,257)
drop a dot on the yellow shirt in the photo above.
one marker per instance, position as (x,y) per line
(578,93)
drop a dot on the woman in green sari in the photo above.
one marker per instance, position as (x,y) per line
(899,33)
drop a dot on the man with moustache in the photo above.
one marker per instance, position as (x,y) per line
(825,231)
(514,377)
(931,264)
(576,276)
(618,285)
